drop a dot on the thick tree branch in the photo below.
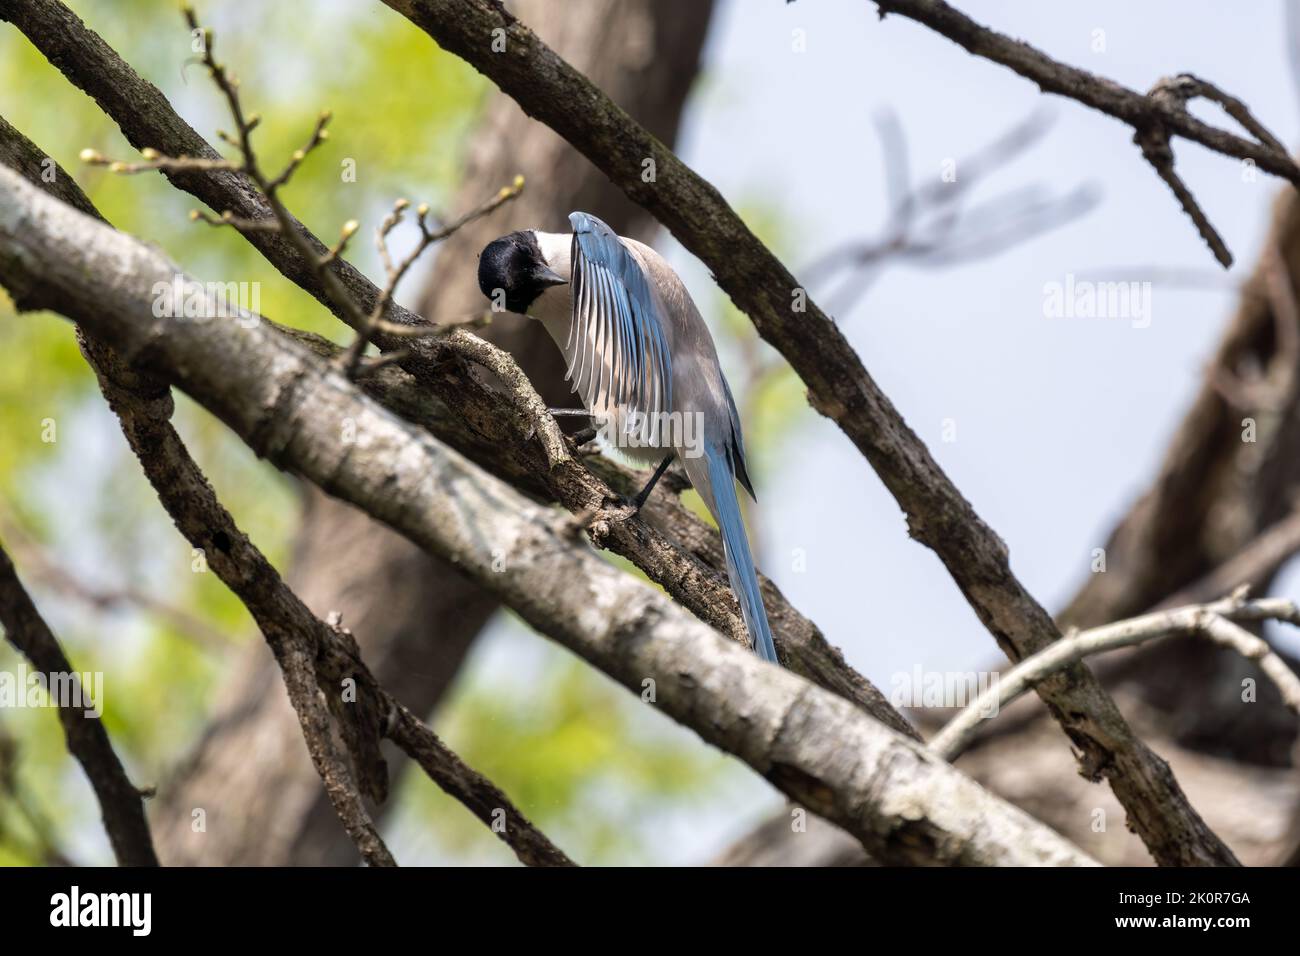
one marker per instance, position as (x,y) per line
(120,803)
(148,122)
(840,388)
(325,654)
(416,617)
(493,425)
(904,804)
(312,654)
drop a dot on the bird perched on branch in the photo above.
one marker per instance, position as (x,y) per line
(644,365)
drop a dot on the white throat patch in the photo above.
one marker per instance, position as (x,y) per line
(556,247)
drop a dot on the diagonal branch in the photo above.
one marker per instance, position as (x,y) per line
(310,651)
(904,804)
(312,654)
(490,427)
(1156,117)
(120,803)
(1219,621)
(839,387)
(149,122)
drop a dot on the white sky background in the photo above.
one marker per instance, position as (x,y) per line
(1060,423)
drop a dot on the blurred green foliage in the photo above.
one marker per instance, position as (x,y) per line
(575,752)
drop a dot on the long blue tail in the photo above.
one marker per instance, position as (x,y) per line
(740,563)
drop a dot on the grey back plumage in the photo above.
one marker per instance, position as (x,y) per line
(641,357)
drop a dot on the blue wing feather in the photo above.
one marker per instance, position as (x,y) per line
(615,317)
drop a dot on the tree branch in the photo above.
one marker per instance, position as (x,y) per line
(839,387)
(120,803)
(312,654)
(490,426)
(148,122)
(904,804)
(1217,621)
(1156,117)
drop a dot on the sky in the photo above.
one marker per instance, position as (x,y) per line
(1050,426)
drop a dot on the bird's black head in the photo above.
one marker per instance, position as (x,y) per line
(514,265)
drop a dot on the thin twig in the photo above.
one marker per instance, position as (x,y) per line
(312,654)
(904,804)
(1153,139)
(120,801)
(929,226)
(351,358)
(687,561)
(1216,620)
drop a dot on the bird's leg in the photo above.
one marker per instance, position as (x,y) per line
(640,499)
(582,435)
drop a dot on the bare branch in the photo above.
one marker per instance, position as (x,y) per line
(840,388)
(904,804)
(1254,564)
(352,357)
(1155,117)
(120,802)
(312,654)
(1217,621)
(489,426)
(928,225)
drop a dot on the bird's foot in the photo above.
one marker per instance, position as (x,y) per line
(637,501)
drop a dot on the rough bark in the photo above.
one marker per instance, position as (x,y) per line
(902,803)
(510,426)
(1215,516)
(839,387)
(416,617)
(311,653)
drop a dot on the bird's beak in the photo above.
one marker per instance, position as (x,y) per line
(548,276)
